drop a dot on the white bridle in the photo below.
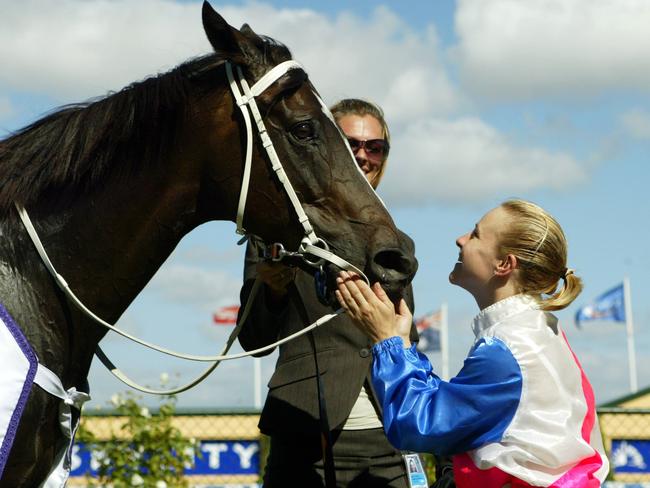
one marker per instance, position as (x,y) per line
(310,245)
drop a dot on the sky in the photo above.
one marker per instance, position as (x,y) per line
(547,100)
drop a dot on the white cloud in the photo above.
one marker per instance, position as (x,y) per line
(190,285)
(509,48)
(6,108)
(380,59)
(467,161)
(76,49)
(127,323)
(637,123)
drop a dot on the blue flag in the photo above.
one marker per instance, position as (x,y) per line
(608,306)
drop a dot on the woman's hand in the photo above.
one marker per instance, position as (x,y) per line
(371,310)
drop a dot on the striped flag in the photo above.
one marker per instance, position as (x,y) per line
(226,315)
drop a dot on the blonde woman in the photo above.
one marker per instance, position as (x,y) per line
(521,411)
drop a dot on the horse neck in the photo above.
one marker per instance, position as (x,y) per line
(111,244)
(107,246)
(116,239)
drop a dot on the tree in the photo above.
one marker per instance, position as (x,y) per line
(147,450)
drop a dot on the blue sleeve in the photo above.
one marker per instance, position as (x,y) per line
(422,413)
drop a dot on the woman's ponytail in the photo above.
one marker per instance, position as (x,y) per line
(537,241)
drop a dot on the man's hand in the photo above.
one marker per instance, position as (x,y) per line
(277,277)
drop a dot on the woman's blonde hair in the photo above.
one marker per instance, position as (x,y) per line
(359,107)
(535,238)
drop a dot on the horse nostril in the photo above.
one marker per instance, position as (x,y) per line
(393,264)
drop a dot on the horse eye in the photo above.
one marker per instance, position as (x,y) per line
(303,131)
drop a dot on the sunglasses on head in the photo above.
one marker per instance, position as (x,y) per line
(373,147)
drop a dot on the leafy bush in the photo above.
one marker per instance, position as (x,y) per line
(147,451)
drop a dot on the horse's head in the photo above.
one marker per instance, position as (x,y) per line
(341,206)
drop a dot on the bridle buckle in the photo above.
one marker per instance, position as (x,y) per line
(275,252)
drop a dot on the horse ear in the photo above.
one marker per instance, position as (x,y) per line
(248,32)
(227,42)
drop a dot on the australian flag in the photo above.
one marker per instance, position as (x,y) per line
(608,306)
(429,330)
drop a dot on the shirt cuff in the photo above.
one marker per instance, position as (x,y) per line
(391,344)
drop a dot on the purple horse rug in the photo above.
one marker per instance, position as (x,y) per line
(20,370)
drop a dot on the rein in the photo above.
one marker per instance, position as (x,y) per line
(310,246)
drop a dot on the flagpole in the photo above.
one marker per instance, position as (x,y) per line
(257,382)
(444,341)
(630,335)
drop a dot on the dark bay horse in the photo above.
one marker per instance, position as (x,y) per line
(113,185)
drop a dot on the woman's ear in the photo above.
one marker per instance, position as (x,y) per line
(506,266)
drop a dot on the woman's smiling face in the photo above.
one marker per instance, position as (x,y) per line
(478,252)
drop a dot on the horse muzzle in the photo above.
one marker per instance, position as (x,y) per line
(394,269)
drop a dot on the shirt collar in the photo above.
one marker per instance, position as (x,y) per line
(501,310)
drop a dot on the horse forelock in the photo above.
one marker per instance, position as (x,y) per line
(270,54)
(274,52)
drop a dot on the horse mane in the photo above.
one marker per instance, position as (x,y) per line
(71,150)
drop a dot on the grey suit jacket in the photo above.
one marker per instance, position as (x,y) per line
(343,352)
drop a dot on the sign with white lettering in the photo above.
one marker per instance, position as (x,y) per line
(630,456)
(217,458)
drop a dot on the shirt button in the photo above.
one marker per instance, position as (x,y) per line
(364,353)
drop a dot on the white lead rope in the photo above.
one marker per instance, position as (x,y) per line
(80,305)
(231,339)
(215,360)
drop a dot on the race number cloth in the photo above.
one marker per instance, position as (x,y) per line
(521,411)
(19,365)
(20,370)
